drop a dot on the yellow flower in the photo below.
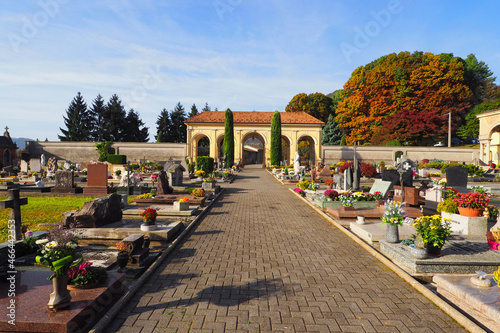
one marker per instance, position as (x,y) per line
(51,245)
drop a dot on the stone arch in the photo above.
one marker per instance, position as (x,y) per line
(201,145)
(253,148)
(310,157)
(286,143)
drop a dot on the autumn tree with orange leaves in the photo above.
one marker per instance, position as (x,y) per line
(404,97)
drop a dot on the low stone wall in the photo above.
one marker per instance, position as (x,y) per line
(375,154)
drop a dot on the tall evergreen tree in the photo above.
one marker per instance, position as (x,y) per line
(163,125)
(76,120)
(331,134)
(96,114)
(229,138)
(178,128)
(206,108)
(194,111)
(276,139)
(135,131)
(114,120)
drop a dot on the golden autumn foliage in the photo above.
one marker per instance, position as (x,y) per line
(416,83)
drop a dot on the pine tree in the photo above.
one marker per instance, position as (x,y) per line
(96,114)
(135,131)
(163,127)
(114,120)
(276,139)
(76,120)
(178,128)
(229,138)
(331,134)
(194,111)
(206,108)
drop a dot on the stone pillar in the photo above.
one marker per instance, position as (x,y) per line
(487,160)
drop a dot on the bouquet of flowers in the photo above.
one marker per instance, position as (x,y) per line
(347,200)
(149,215)
(377,195)
(122,247)
(394,213)
(313,186)
(472,200)
(200,173)
(58,251)
(433,229)
(29,242)
(332,194)
(184,200)
(198,192)
(329,182)
(299,191)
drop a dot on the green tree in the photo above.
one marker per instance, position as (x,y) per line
(317,105)
(77,121)
(163,127)
(114,120)
(206,108)
(229,138)
(194,111)
(276,139)
(135,131)
(477,77)
(471,127)
(177,130)
(331,134)
(97,112)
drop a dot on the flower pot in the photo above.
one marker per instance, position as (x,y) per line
(433,250)
(346,208)
(122,259)
(392,233)
(60,297)
(471,212)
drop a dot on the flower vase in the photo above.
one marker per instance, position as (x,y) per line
(432,250)
(60,297)
(122,259)
(470,212)
(392,233)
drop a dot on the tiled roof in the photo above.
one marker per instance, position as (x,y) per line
(254,117)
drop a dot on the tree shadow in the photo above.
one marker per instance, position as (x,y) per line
(208,232)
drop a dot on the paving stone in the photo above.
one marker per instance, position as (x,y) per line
(262,260)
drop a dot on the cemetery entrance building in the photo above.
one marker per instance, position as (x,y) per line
(489,136)
(252,136)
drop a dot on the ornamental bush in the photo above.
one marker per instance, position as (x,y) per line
(367,169)
(117,159)
(205,163)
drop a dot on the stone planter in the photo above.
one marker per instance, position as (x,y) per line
(465,225)
(357,205)
(208,186)
(180,206)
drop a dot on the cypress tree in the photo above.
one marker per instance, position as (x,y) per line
(229,138)
(276,139)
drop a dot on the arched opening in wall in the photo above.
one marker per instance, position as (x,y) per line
(306,151)
(203,147)
(285,150)
(494,153)
(6,157)
(253,149)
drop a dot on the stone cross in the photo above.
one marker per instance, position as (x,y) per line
(15,203)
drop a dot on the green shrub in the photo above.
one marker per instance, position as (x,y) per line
(205,163)
(117,159)
(304,184)
(447,206)
(190,167)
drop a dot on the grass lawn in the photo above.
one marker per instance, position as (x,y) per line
(41,210)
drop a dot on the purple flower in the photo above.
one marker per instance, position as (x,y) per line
(29,233)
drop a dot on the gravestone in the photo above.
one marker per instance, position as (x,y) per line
(67,166)
(96,213)
(324,174)
(97,179)
(163,187)
(392,176)
(381,186)
(457,177)
(35,165)
(24,166)
(14,204)
(337,179)
(175,173)
(65,183)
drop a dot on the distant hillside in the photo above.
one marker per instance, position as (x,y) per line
(21,144)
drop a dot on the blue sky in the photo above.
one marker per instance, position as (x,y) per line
(241,54)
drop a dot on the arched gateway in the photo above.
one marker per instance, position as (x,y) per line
(252,135)
(489,136)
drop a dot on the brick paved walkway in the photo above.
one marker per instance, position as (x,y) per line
(262,260)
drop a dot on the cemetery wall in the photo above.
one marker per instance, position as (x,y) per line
(77,152)
(375,154)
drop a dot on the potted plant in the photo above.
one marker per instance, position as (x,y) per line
(198,192)
(329,183)
(299,191)
(394,214)
(313,186)
(434,231)
(331,195)
(123,254)
(59,252)
(377,196)
(182,204)
(347,201)
(86,276)
(200,174)
(118,174)
(471,204)
(149,217)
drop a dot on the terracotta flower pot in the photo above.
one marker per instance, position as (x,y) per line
(471,212)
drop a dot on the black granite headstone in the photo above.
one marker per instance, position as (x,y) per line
(456,176)
(392,176)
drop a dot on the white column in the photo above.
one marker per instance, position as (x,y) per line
(488,151)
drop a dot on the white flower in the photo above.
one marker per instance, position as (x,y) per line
(42,241)
(51,245)
(71,245)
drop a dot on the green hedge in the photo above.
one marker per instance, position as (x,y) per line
(117,159)
(205,163)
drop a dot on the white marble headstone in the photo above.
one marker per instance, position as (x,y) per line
(24,166)
(35,165)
